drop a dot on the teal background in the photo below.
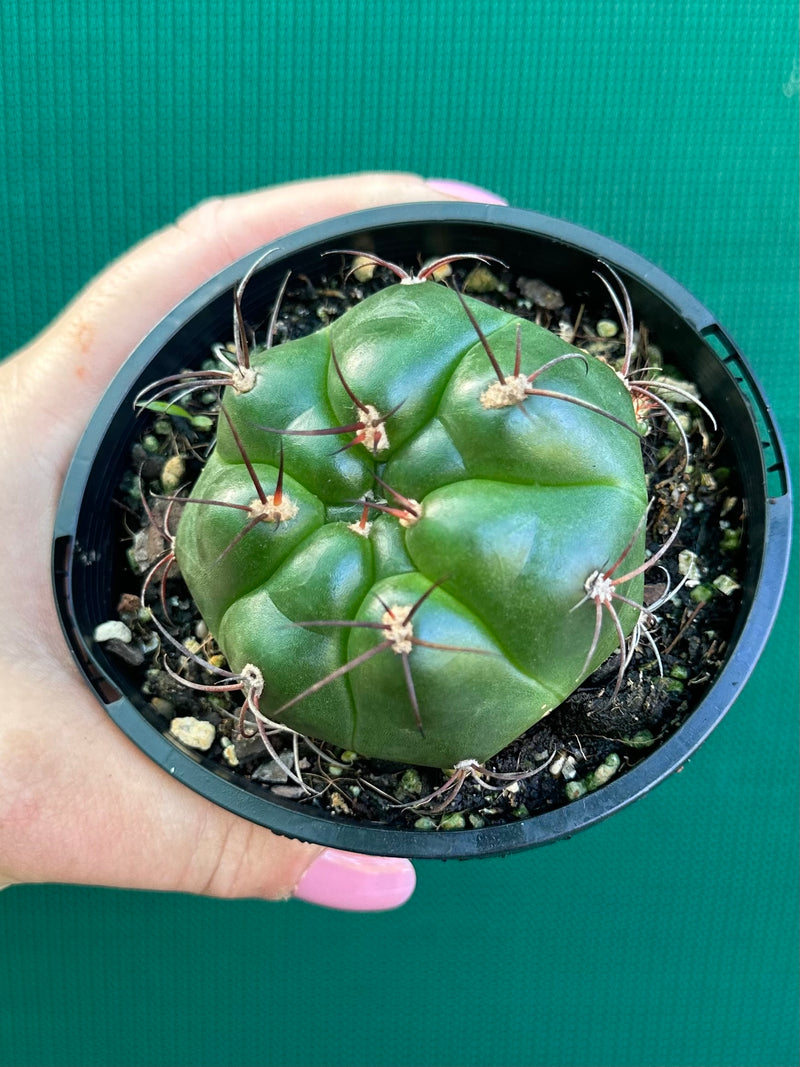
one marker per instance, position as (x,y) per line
(666,936)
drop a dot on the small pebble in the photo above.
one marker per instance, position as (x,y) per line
(128,653)
(673,432)
(688,566)
(641,739)
(558,764)
(129,605)
(424,822)
(339,805)
(702,593)
(113,630)
(172,473)
(729,503)
(569,770)
(542,295)
(195,733)
(151,643)
(443,271)
(229,752)
(574,789)
(363,268)
(163,706)
(411,782)
(730,540)
(725,584)
(604,773)
(454,821)
(248,747)
(291,792)
(272,771)
(481,280)
(146,548)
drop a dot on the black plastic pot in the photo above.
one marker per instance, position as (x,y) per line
(87,558)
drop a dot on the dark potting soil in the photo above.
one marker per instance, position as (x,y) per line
(593,736)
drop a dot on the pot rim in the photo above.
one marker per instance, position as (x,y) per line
(290,818)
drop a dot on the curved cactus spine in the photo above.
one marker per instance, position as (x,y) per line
(249,681)
(235,374)
(644,391)
(428,271)
(601,588)
(468,769)
(438,630)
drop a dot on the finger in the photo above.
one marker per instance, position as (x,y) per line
(78,353)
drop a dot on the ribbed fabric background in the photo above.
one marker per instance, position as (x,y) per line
(665,937)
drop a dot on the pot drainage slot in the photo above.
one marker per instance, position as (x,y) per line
(777,479)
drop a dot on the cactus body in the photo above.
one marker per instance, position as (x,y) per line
(517,505)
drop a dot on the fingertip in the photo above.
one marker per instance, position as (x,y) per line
(348,881)
(465,191)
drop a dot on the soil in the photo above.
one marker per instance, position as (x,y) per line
(590,738)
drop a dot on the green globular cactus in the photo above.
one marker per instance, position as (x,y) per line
(399,518)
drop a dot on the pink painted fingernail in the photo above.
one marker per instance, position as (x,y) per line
(465,191)
(352,882)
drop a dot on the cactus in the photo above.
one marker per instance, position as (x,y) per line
(412,524)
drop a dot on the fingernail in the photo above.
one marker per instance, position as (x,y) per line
(465,191)
(352,882)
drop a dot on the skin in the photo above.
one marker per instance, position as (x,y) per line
(126,823)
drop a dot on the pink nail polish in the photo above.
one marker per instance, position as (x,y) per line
(352,882)
(465,191)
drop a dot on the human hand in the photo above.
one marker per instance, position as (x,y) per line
(78,801)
